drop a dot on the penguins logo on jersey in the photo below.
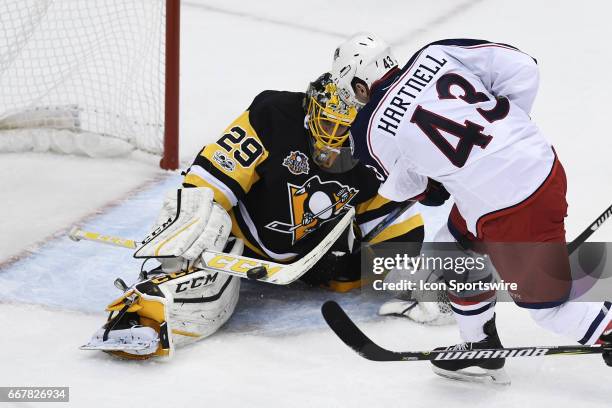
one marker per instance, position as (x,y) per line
(313,204)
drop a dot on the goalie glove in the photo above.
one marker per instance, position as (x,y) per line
(435,195)
(189,223)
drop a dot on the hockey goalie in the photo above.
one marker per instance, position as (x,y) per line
(271,187)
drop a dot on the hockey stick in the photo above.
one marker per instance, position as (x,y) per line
(279,274)
(77,234)
(241,266)
(287,228)
(352,336)
(392,216)
(572,246)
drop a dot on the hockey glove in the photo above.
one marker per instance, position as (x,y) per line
(435,194)
(189,222)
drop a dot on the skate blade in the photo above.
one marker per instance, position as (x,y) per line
(497,377)
(116,347)
(122,355)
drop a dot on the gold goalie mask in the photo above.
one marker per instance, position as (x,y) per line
(328,120)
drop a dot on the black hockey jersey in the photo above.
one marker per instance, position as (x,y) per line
(261,172)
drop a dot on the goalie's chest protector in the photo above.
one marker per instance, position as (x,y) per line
(285,210)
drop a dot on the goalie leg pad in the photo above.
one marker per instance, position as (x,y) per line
(202,302)
(200,312)
(193,305)
(137,324)
(156,315)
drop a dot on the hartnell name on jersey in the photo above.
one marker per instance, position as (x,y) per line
(408,91)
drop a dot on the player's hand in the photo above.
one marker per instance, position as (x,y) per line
(435,194)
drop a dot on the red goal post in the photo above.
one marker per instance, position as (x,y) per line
(98,78)
(170,158)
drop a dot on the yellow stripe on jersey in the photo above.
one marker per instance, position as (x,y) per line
(220,197)
(396,230)
(238,152)
(239,234)
(372,204)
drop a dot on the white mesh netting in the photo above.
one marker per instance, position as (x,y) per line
(82,76)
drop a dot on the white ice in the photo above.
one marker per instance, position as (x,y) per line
(276,351)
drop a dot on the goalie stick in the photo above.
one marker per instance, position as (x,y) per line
(276,273)
(288,228)
(352,336)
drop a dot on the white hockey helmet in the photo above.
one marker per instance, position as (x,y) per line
(364,56)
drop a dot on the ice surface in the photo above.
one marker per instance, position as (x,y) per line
(276,351)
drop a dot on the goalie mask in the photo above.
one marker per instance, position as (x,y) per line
(328,119)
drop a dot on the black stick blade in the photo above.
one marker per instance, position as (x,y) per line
(352,336)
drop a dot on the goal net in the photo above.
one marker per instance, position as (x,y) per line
(95,77)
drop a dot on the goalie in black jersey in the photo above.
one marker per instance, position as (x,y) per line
(284,168)
(278,174)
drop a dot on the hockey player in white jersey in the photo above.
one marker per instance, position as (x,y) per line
(457,113)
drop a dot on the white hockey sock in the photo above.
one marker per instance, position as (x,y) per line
(472,317)
(580,321)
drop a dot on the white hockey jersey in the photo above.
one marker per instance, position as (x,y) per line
(458,113)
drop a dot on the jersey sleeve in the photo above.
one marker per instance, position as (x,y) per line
(403,184)
(231,165)
(503,69)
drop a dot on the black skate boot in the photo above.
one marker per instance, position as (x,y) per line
(606,342)
(486,368)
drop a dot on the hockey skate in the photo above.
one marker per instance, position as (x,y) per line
(606,341)
(431,308)
(476,370)
(137,340)
(123,336)
(428,313)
